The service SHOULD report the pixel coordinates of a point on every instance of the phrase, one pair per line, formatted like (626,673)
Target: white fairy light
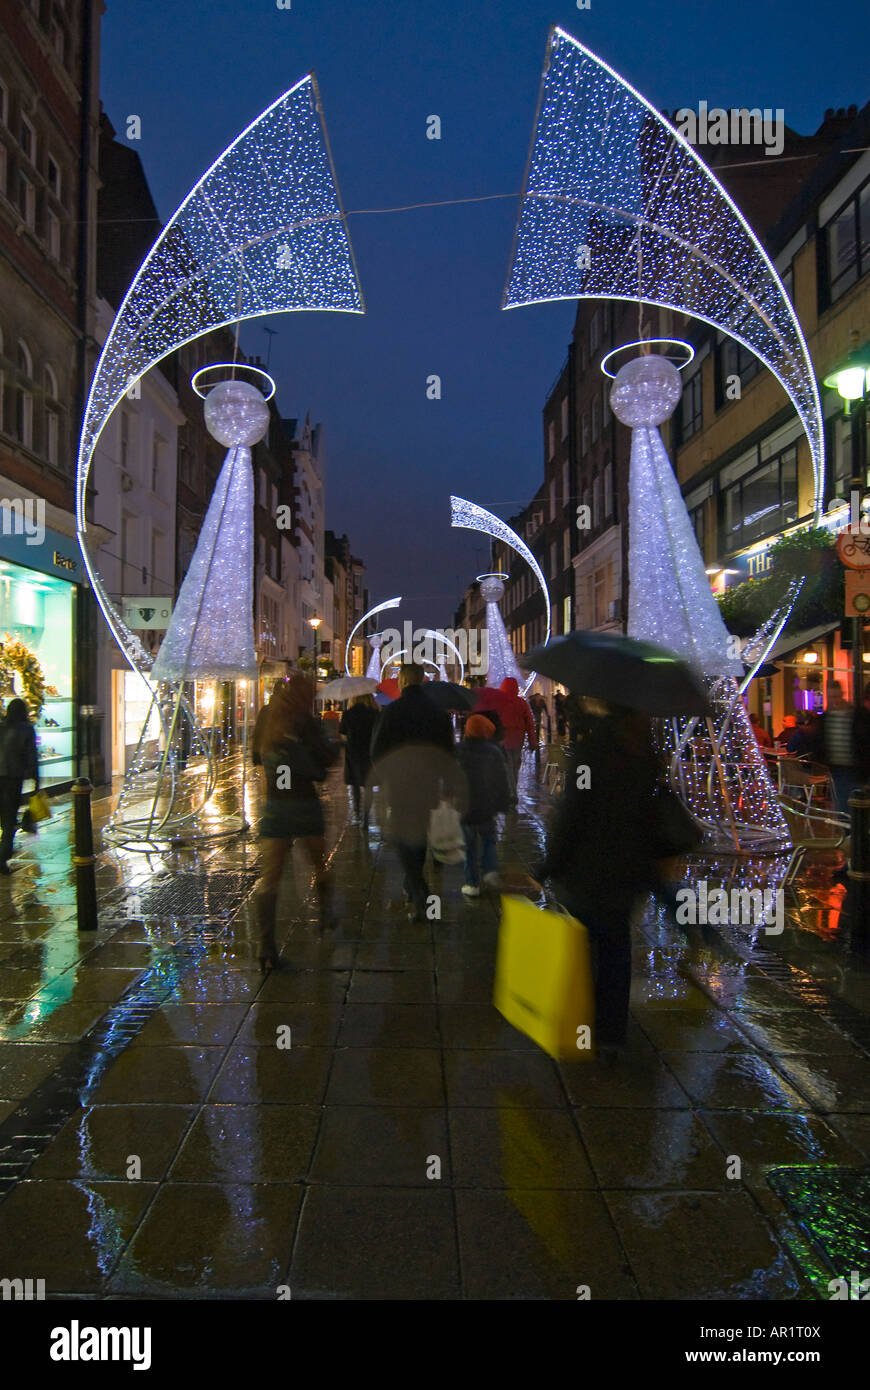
(262,232)
(469,515)
(618,205)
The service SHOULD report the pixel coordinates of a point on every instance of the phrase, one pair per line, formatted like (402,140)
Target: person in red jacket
(518,722)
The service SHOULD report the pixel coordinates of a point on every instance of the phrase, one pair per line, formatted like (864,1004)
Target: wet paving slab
(363,1124)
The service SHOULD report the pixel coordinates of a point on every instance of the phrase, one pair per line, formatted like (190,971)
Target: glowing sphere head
(646,391)
(491,589)
(236,413)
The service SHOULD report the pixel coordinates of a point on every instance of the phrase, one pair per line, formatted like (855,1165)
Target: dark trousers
(412,858)
(609,929)
(10,800)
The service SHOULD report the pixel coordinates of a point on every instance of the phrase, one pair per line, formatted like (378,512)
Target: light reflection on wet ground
(155,1138)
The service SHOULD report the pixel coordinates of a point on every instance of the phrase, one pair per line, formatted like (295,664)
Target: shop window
(53,236)
(762,501)
(52,437)
(24,397)
(733,360)
(608,489)
(53,177)
(58,39)
(689,416)
(37,611)
(27,139)
(27,201)
(844,247)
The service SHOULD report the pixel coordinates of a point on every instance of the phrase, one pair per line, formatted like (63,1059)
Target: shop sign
(143,613)
(754,563)
(50,552)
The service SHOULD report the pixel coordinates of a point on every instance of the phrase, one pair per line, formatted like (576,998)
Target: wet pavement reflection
(363,1124)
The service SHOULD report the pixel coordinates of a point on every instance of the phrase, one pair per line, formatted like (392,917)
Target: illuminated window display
(36,618)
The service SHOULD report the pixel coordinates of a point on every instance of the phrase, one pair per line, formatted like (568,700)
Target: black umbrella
(621,671)
(448,695)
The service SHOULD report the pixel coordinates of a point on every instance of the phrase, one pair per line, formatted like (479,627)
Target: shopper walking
(601,851)
(519,725)
(18,760)
(294,755)
(413,764)
(838,742)
(489,794)
(357,726)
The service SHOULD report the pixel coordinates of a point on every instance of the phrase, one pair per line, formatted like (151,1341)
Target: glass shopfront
(36,661)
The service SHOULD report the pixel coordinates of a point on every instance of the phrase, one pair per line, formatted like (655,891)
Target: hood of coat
(510,686)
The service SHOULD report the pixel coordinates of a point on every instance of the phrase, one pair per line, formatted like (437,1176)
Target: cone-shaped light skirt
(211,633)
(669,598)
(502,661)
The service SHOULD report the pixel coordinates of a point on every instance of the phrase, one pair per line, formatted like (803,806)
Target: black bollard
(859,869)
(83,857)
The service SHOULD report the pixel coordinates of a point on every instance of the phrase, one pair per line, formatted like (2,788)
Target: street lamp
(315,623)
(851,379)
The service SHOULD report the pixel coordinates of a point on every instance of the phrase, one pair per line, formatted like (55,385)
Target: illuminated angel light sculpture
(501,661)
(618,205)
(719,770)
(378,608)
(474,518)
(262,232)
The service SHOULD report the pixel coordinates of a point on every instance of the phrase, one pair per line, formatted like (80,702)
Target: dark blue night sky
(198,72)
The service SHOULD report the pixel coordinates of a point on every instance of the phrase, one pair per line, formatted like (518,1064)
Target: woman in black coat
(18,760)
(601,852)
(357,726)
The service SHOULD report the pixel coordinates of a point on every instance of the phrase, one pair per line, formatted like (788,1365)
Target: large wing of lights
(618,205)
(475,518)
(263,232)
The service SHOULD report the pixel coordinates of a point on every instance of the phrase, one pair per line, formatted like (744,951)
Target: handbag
(38,806)
(446,837)
(543,978)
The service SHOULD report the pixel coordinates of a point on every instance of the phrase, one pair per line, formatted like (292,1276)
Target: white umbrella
(346,687)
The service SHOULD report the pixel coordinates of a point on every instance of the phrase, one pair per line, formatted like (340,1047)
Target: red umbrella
(390,688)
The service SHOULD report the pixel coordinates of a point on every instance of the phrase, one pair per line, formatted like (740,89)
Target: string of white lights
(262,232)
(618,205)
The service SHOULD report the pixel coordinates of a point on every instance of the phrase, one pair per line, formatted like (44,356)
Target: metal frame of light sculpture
(406,651)
(262,232)
(272,190)
(474,518)
(648,343)
(440,637)
(378,608)
(603,160)
(234,368)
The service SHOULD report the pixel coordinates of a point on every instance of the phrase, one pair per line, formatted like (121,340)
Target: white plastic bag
(446,840)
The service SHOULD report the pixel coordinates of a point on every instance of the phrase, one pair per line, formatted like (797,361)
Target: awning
(791,642)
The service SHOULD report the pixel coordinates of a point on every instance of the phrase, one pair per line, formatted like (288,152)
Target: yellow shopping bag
(543,978)
(38,806)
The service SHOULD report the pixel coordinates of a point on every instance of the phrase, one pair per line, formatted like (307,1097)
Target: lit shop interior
(36,657)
